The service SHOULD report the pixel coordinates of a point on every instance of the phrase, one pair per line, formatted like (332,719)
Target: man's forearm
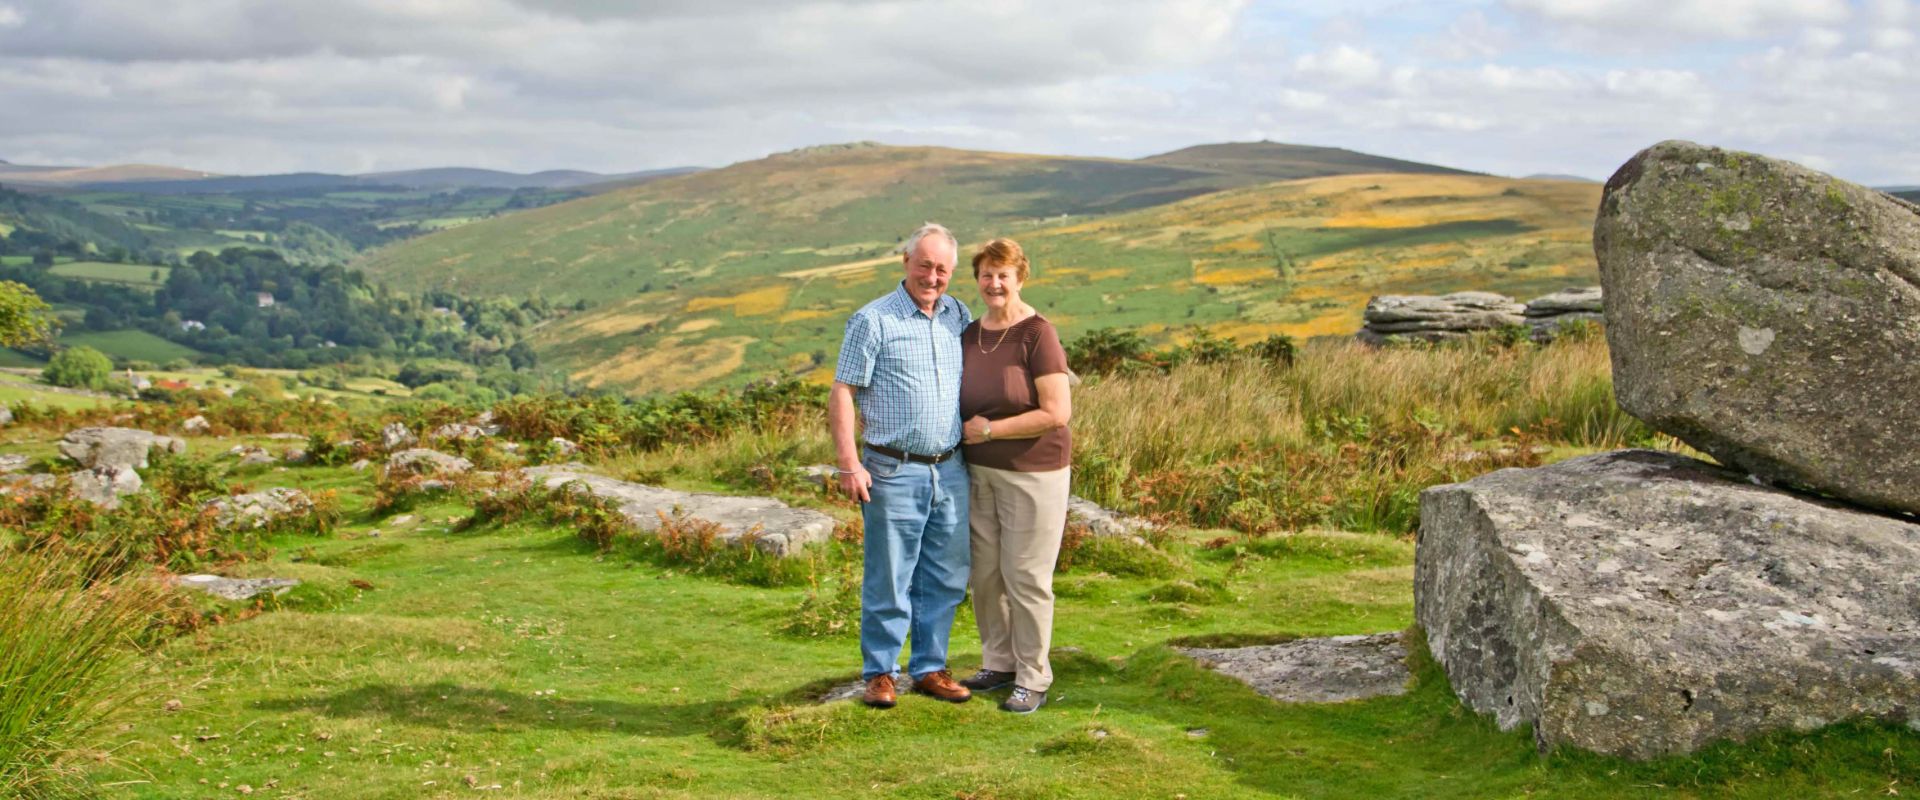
(841,420)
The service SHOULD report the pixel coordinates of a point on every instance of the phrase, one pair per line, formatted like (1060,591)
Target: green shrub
(79,367)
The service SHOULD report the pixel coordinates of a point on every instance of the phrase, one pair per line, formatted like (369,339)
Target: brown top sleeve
(1047,356)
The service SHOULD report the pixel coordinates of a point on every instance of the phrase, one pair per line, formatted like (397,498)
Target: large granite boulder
(1432,319)
(765,523)
(1641,604)
(396,436)
(115,447)
(1769,315)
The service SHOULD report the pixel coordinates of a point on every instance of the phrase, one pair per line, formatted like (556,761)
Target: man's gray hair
(931,229)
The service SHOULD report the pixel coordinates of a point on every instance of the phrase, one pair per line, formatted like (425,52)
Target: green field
(15,261)
(514,657)
(21,389)
(129,344)
(139,276)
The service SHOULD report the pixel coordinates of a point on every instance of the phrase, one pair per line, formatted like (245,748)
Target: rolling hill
(1299,258)
(813,208)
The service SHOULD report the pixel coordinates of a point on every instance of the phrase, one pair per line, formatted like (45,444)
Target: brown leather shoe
(941,686)
(879,692)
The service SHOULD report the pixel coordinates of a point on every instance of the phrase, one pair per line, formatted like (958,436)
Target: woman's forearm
(1030,425)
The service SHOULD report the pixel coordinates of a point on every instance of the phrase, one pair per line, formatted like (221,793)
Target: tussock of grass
(67,663)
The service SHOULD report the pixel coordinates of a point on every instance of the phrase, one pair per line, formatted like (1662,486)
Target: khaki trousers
(1017,519)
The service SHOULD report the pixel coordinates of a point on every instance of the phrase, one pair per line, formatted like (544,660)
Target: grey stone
(119,447)
(422,461)
(1587,299)
(1768,315)
(1104,522)
(1641,604)
(1330,670)
(104,485)
(251,456)
(34,482)
(6,415)
(458,432)
(1442,318)
(235,588)
(361,465)
(12,462)
(822,475)
(564,448)
(196,424)
(396,437)
(257,509)
(776,528)
(287,436)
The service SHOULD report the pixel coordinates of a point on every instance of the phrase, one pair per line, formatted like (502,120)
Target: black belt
(914,457)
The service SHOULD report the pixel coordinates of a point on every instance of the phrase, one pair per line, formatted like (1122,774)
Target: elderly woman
(1014,398)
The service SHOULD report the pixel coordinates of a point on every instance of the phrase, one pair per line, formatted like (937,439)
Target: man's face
(929,268)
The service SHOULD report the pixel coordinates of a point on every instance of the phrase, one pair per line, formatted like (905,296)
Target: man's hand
(855,482)
(975,431)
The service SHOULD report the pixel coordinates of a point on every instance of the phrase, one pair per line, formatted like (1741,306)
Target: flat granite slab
(769,524)
(1335,669)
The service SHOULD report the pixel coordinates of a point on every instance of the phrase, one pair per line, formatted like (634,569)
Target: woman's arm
(1055,411)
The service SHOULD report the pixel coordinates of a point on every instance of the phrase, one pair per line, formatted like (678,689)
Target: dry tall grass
(1347,436)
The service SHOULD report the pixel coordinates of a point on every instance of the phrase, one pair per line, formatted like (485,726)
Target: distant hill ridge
(152,179)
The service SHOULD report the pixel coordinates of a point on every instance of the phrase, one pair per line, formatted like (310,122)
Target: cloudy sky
(1504,86)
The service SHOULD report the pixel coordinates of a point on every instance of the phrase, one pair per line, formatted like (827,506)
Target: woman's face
(999,286)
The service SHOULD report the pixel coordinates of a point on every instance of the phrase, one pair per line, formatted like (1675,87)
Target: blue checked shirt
(905,368)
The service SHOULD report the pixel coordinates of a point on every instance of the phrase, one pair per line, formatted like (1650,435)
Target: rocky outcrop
(1769,315)
(1432,319)
(455,431)
(1102,521)
(104,485)
(256,510)
(1643,604)
(235,588)
(1546,314)
(1330,670)
(117,447)
(421,461)
(396,436)
(763,522)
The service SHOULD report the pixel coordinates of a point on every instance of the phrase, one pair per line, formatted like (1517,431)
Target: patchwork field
(1299,258)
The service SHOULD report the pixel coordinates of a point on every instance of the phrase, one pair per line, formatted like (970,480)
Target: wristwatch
(986,429)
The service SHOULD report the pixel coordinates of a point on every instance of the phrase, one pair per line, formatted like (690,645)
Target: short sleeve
(1048,357)
(857,351)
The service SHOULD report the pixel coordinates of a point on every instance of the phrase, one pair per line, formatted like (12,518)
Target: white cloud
(1709,19)
(1342,65)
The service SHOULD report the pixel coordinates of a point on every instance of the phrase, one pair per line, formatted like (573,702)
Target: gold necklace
(982,343)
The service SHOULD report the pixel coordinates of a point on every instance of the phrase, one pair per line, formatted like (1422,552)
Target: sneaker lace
(1020,695)
(984,674)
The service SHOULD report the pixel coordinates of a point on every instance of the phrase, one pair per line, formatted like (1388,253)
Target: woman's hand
(975,431)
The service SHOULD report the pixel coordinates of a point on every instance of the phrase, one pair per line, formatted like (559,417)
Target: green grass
(136,275)
(19,388)
(519,658)
(129,344)
(14,358)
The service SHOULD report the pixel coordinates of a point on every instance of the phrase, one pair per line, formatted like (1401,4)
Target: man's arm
(842,419)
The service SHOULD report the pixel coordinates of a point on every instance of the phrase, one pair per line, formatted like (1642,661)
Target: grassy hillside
(1274,161)
(1299,258)
(794,211)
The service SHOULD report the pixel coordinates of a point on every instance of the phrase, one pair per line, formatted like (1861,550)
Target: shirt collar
(904,305)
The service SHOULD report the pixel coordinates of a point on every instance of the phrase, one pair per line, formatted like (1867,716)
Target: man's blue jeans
(917,561)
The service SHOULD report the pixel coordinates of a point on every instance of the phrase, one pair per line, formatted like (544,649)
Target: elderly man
(899,373)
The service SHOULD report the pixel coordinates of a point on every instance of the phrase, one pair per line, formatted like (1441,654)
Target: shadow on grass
(453,706)
(1425,744)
